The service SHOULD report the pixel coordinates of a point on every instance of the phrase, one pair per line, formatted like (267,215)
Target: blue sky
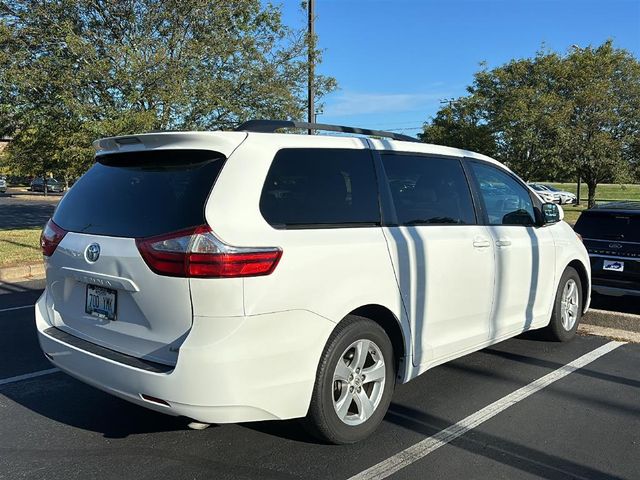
(396,60)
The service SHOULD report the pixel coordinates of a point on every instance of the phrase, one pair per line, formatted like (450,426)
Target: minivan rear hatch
(100,288)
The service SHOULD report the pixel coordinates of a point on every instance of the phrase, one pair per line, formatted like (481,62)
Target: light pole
(577,48)
(311,44)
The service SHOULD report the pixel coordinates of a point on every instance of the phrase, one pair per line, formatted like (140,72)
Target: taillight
(579,237)
(51,236)
(197,252)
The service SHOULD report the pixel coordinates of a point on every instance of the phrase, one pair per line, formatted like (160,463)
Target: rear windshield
(140,194)
(609,226)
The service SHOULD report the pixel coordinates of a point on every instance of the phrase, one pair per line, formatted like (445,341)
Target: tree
(72,71)
(555,116)
(602,88)
(524,109)
(460,125)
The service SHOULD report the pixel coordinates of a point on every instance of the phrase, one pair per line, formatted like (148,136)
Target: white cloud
(356,103)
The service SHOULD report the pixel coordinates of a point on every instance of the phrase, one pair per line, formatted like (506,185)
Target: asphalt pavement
(583,425)
(16,212)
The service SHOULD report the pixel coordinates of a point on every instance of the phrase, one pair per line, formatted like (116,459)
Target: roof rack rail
(270,126)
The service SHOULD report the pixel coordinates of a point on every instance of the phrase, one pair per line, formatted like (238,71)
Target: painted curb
(23,272)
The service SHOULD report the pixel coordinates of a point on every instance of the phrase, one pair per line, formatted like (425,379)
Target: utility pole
(311,46)
(578,192)
(578,49)
(448,101)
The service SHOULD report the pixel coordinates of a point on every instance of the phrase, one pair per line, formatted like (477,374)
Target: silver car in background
(545,194)
(565,197)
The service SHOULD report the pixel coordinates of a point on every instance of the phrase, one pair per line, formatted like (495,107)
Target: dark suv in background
(611,233)
(53,185)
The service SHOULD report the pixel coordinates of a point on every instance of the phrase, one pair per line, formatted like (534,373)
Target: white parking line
(15,308)
(27,376)
(425,447)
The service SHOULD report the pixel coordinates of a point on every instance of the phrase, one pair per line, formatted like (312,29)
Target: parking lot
(459,420)
(26,211)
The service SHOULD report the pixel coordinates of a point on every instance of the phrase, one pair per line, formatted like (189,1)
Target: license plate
(613,265)
(101,302)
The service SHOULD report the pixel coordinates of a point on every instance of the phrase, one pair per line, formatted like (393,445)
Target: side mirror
(551,213)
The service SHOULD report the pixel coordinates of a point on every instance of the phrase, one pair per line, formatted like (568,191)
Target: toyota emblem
(92,253)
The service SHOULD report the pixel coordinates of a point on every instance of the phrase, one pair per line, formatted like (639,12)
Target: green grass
(605,191)
(20,246)
(572,212)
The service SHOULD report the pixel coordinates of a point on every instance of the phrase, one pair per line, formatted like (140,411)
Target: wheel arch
(392,326)
(579,267)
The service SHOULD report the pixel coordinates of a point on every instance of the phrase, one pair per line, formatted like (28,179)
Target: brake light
(51,236)
(579,236)
(197,252)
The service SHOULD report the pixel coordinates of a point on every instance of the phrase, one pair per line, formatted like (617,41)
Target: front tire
(567,308)
(354,382)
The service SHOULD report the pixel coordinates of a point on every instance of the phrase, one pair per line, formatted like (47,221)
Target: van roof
(226,142)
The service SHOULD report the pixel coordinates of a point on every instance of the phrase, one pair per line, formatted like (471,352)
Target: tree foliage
(72,71)
(555,116)
(522,105)
(603,130)
(460,125)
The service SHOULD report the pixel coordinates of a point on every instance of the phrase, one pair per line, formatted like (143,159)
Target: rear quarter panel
(327,271)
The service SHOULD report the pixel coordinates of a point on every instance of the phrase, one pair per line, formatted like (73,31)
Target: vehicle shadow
(14,215)
(63,399)
(518,456)
(21,287)
(287,429)
(625,304)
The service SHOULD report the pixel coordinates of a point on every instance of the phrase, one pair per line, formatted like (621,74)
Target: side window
(507,202)
(314,187)
(428,190)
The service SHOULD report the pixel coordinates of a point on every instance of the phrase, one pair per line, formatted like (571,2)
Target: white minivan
(253,275)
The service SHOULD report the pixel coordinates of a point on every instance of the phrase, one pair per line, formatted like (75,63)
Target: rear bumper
(229,369)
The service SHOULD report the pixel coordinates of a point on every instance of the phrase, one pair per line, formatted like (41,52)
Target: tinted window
(507,202)
(609,226)
(140,194)
(428,190)
(316,187)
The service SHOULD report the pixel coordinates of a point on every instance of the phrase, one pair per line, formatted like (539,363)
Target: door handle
(503,242)
(481,242)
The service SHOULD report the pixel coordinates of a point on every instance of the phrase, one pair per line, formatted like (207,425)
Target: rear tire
(567,308)
(354,382)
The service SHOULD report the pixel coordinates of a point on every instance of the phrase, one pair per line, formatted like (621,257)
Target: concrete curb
(23,272)
(616,320)
(613,333)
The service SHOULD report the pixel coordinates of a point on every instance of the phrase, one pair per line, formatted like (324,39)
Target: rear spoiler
(222,142)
